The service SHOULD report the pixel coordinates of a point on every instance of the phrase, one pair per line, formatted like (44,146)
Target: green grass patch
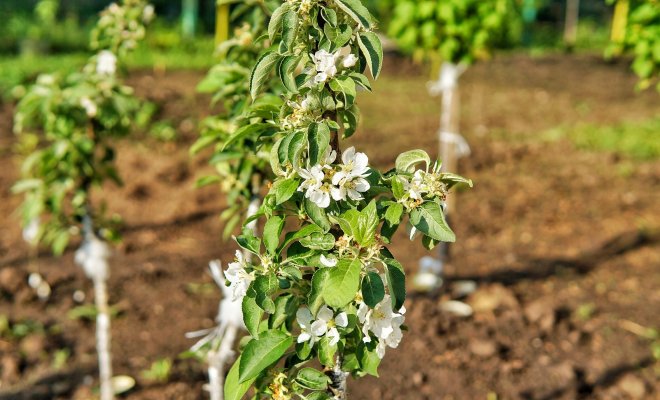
(639,140)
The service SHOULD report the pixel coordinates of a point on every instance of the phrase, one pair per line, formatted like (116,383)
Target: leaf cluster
(460,31)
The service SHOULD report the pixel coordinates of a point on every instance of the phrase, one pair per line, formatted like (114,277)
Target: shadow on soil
(50,386)
(540,269)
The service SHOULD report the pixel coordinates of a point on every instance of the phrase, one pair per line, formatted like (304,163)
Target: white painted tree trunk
(93,257)
(229,332)
(103,339)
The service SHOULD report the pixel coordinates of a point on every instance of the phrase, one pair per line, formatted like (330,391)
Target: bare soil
(563,245)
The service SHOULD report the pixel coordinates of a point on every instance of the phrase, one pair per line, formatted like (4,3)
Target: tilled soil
(563,245)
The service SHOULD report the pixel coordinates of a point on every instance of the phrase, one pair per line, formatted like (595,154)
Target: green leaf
(303,350)
(289,30)
(272,231)
(318,137)
(252,315)
(372,49)
(361,80)
(286,71)
(396,282)
(369,360)
(367,223)
(319,283)
(452,180)
(318,241)
(234,390)
(343,283)
(284,189)
(430,220)
(393,214)
(327,352)
(407,161)
(318,215)
(357,11)
(345,85)
(275,23)
(299,234)
(265,286)
(285,307)
(261,71)
(246,131)
(373,290)
(312,379)
(261,353)
(248,241)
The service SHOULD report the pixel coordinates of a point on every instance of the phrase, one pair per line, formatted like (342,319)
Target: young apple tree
(241,162)
(71,123)
(458,33)
(320,282)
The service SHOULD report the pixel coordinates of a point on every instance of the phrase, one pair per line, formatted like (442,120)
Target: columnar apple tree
(457,33)
(71,122)
(320,282)
(240,161)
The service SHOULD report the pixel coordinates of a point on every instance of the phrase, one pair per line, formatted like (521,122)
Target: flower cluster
(345,181)
(238,277)
(326,324)
(422,184)
(326,64)
(383,322)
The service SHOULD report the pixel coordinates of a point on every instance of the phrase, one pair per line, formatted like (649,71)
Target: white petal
(338,193)
(333,336)
(325,314)
(380,350)
(363,310)
(348,155)
(338,177)
(342,320)
(324,200)
(354,195)
(319,328)
(303,337)
(304,317)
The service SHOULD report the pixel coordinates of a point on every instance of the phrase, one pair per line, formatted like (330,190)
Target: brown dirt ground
(564,247)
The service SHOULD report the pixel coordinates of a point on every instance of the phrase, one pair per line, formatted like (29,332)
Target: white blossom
(349,61)
(326,65)
(314,186)
(238,277)
(90,107)
(325,325)
(383,323)
(304,318)
(350,180)
(106,63)
(230,310)
(417,186)
(148,13)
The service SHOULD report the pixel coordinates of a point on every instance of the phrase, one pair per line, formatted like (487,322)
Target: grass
(638,140)
(16,70)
